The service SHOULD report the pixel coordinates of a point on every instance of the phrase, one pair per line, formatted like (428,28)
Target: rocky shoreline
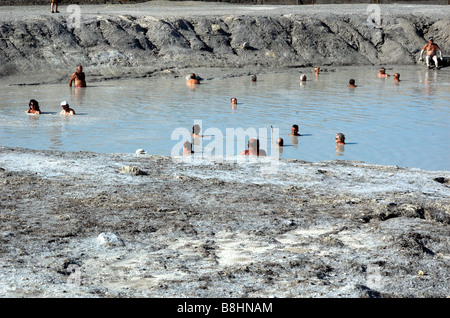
(154,38)
(82,224)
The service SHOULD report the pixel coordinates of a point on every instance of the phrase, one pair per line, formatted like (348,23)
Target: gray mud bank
(124,225)
(152,38)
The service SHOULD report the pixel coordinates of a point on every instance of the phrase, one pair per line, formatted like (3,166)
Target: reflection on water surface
(404,124)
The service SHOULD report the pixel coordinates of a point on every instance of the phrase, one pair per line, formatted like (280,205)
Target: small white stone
(140,151)
(110,239)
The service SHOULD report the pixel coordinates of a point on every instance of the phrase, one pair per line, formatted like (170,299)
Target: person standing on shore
(55,6)
(78,77)
(432,49)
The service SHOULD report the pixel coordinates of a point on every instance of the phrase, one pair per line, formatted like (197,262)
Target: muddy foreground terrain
(125,225)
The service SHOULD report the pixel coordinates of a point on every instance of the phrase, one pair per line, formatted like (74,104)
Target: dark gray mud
(159,37)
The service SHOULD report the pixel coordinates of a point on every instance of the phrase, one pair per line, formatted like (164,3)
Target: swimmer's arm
(72,78)
(421,54)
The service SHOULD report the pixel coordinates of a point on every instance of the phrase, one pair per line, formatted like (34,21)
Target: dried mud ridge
(120,45)
(142,225)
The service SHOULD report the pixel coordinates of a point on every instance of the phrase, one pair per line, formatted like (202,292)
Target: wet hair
(303,77)
(397,75)
(341,137)
(351,81)
(280,141)
(195,129)
(295,126)
(231,99)
(253,143)
(35,102)
(253,78)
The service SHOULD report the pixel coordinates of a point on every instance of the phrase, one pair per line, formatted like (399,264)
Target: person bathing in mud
(196,131)
(55,6)
(432,49)
(294,131)
(340,139)
(187,148)
(78,77)
(352,83)
(193,79)
(397,77)
(253,149)
(382,73)
(33,107)
(66,110)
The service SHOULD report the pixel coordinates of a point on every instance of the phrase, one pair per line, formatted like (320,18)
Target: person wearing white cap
(432,49)
(66,110)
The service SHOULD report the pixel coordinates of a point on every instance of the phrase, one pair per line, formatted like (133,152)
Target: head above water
(253,143)
(196,129)
(33,103)
(280,141)
(303,77)
(340,137)
(64,104)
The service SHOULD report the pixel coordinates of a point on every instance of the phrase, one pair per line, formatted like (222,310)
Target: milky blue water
(406,124)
